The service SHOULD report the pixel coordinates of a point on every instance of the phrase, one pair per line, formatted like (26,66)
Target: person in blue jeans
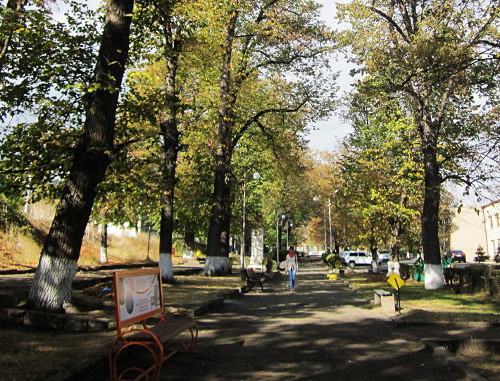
(291,267)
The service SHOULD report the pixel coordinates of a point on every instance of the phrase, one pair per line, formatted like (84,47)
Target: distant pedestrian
(446,262)
(419,274)
(291,267)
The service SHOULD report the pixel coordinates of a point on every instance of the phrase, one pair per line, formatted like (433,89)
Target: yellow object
(395,281)
(333,276)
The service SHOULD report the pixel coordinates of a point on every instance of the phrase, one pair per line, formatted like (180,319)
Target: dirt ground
(322,331)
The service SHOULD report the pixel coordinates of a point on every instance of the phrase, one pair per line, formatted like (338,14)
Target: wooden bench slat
(167,330)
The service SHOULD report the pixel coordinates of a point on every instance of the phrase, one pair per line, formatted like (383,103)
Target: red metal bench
(139,297)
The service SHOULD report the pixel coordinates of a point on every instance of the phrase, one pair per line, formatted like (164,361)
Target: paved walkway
(320,332)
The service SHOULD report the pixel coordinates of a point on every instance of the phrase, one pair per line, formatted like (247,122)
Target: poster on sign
(138,295)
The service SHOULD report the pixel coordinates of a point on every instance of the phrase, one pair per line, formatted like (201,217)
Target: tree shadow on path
(323,331)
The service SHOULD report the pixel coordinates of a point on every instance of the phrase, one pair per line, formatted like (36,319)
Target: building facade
(468,231)
(491,218)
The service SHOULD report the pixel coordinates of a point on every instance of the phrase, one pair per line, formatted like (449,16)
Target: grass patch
(133,248)
(431,305)
(18,244)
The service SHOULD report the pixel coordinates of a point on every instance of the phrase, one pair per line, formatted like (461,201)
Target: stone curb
(66,322)
(438,350)
(403,322)
(448,358)
(84,323)
(75,323)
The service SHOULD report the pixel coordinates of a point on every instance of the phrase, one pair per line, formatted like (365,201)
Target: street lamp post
(277,241)
(324,228)
(287,234)
(289,224)
(278,237)
(255,176)
(330,222)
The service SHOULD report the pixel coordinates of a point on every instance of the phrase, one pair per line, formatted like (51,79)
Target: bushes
(475,278)
(332,260)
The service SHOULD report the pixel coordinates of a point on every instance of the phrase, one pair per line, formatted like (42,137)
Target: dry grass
(22,236)
(19,250)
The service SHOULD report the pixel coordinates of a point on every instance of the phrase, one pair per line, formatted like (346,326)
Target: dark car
(457,256)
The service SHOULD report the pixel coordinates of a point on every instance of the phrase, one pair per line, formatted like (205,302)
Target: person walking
(291,267)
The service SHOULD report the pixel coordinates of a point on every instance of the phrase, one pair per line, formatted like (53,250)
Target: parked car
(458,256)
(383,257)
(355,258)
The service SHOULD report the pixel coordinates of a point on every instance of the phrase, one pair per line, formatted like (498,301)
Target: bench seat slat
(382,292)
(165,331)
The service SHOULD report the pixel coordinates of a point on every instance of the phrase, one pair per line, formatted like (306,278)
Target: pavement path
(320,332)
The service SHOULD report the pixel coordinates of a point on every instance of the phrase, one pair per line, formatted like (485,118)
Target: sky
(326,133)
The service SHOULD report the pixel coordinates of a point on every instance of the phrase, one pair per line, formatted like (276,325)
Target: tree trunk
(430,214)
(217,259)
(165,246)
(10,22)
(103,253)
(217,256)
(189,245)
(51,286)
(373,250)
(170,135)
(397,229)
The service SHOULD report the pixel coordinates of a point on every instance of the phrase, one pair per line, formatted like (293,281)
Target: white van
(355,258)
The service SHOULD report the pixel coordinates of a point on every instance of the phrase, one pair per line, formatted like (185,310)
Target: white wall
(469,233)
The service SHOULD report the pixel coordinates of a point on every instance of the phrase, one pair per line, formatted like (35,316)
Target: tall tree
(51,286)
(382,167)
(436,58)
(259,38)
(162,17)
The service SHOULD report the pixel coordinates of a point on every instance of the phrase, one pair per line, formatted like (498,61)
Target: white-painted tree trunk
(375,267)
(434,279)
(103,252)
(52,271)
(166,267)
(216,266)
(393,268)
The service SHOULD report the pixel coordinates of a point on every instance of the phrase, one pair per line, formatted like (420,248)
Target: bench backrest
(138,296)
